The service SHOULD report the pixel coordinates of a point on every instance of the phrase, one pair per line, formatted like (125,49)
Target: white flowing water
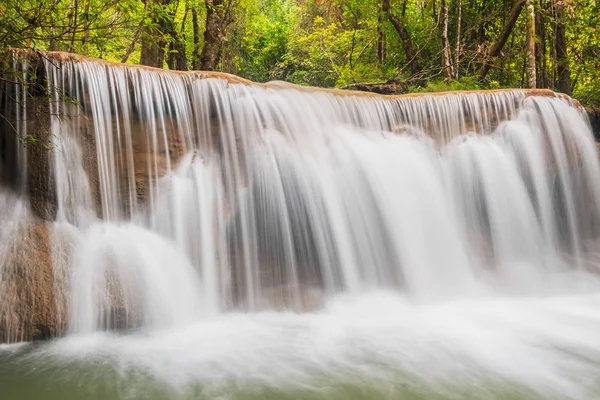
(270,241)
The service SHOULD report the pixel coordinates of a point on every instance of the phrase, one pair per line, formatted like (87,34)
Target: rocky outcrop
(25,135)
(149,165)
(33,304)
(594,118)
(393,87)
(40,178)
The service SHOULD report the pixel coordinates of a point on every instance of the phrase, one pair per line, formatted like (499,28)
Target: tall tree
(540,45)
(530,38)
(563,70)
(497,47)
(407,43)
(177,58)
(138,33)
(154,33)
(219,15)
(457,48)
(329,42)
(196,39)
(446,53)
(380,37)
(86,27)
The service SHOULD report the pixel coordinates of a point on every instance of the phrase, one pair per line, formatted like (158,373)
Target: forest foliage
(418,45)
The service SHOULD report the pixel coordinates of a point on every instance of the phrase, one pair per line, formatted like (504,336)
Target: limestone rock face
(40,178)
(150,161)
(33,301)
(594,117)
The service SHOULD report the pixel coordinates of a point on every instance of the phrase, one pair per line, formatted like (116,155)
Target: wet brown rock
(594,118)
(291,298)
(11,176)
(393,87)
(28,106)
(32,305)
(86,137)
(151,160)
(297,299)
(41,182)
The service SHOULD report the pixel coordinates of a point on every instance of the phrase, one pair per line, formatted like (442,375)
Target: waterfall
(231,231)
(187,195)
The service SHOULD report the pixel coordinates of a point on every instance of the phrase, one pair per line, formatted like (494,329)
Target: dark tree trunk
(503,38)
(153,52)
(196,51)
(86,28)
(131,47)
(531,72)
(457,48)
(153,43)
(446,53)
(74,26)
(380,38)
(136,37)
(177,58)
(53,46)
(218,18)
(407,44)
(540,47)
(562,57)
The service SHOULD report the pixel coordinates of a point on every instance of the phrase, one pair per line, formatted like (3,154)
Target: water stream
(234,240)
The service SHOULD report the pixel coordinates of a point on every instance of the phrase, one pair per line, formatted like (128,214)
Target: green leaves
(319,42)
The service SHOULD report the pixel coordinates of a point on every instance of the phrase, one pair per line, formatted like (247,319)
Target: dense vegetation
(414,45)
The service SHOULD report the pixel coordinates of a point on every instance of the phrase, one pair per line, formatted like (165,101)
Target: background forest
(383,45)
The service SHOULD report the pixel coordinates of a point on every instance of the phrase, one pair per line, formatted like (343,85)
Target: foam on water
(531,346)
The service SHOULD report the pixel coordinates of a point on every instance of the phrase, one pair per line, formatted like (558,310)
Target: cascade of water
(14,212)
(214,193)
(449,242)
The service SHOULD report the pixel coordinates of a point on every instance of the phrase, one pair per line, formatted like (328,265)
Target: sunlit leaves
(316,42)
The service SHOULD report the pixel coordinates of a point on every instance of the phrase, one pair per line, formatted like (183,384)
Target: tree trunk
(562,57)
(531,73)
(457,48)
(53,46)
(446,53)
(218,18)
(131,47)
(136,37)
(86,28)
(409,51)
(177,59)
(196,51)
(540,47)
(74,24)
(380,38)
(504,35)
(153,43)
(153,52)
